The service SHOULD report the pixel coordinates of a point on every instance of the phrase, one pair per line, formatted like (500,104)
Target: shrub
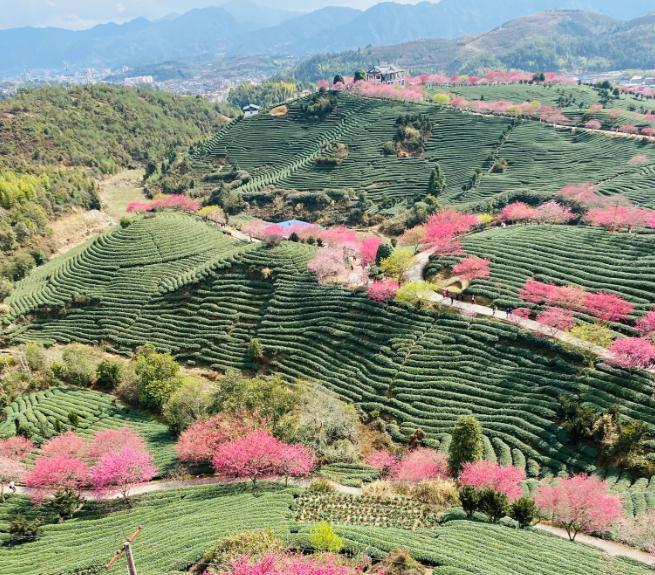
(157,375)
(400,562)
(80,365)
(380,488)
(523,511)
(23,530)
(188,403)
(470,500)
(440,493)
(323,538)
(321,486)
(495,505)
(109,373)
(64,504)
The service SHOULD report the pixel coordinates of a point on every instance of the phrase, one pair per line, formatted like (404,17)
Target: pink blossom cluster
(490,78)
(617,217)
(644,91)
(259,454)
(415,465)
(288,564)
(369,89)
(383,290)
(550,212)
(583,193)
(113,460)
(504,479)
(170,202)
(604,306)
(536,110)
(199,442)
(472,268)
(633,353)
(13,453)
(442,231)
(557,318)
(581,503)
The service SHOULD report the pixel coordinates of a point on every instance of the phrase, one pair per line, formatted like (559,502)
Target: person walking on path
(493,310)
(473,299)
(509,311)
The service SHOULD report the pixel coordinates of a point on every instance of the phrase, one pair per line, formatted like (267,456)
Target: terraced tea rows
(46,413)
(592,258)
(420,369)
(281,152)
(178,526)
(470,548)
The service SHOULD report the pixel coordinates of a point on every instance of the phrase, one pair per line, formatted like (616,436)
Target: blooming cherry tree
(633,353)
(384,290)
(420,464)
(646,324)
(369,250)
(120,470)
(383,461)
(581,503)
(472,268)
(59,473)
(16,448)
(328,265)
(607,307)
(557,319)
(504,479)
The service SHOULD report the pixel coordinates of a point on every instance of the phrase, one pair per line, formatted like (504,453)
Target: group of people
(446,295)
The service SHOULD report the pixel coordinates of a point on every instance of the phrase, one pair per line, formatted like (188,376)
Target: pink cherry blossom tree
(581,503)
(413,238)
(553,212)
(199,442)
(607,307)
(534,291)
(342,238)
(633,353)
(328,265)
(114,440)
(384,290)
(383,461)
(289,564)
(120,470)
(557,319)
(257,455)
(168,202)
(16,448)
(442,230)
(295,460)
(504,479)
(517,212)
(59,473)
(472,268)
(593,125)
(585,193)
(68,445)
(420,464)
(646,324)
(369,250)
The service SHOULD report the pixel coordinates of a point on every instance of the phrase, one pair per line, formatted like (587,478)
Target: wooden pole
(131,567)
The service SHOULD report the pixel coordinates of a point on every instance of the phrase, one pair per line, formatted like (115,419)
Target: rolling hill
(417,369)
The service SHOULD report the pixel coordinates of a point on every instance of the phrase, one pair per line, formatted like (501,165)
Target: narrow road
(611,548)
(415,273)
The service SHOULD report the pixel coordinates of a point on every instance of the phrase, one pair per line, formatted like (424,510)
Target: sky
(77,14)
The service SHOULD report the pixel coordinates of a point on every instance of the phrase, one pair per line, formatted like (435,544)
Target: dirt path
(611,548)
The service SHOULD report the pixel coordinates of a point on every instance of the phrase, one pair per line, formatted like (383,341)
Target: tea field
(592,258)
(43,414)
(281,151)
(417,368)
(179,525)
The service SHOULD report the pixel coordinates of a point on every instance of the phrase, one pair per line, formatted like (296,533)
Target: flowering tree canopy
(58,473)
(16,448)
(67,445)
(633,353)
(288,564)
(122,469)
(383,290)
(328,265)
(472,268)
(556,318)
(170,202)
(581,503)
(646,324)
(504,479)
(607,307)
(517,212)
(593,125)
(420,464)
(369,249)
(112,440)
(199,442)
(383,461)
(442,230)
(259,454)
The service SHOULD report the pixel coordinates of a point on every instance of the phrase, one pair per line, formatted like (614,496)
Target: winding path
(611,548)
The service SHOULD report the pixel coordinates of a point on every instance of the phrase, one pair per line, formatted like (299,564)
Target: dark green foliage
(469,497)
(265,95)
(157,376)
(437,182)
(523,511)
(64,504)
(493,504)
(24,530)
(360,75)
(384,251)
(109,373)
(319,105)
(466,444)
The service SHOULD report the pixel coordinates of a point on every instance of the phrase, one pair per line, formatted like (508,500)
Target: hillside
(417,369)
(559,40)
(55,142)
(280,155)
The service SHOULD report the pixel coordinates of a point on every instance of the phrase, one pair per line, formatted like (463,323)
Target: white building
(386,74)
(250,110)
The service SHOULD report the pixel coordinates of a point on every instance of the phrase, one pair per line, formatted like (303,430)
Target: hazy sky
(85,13)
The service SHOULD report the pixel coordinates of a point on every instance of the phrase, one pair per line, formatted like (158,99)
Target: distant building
(138,81)
(387,74)
(250,110)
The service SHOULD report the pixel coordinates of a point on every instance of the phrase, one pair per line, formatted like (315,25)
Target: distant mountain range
(243,27)
(557,40)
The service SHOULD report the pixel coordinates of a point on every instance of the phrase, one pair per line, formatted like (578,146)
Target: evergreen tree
(437,182)
(466,444)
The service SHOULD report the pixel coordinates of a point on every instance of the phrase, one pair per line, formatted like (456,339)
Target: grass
(119,190)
